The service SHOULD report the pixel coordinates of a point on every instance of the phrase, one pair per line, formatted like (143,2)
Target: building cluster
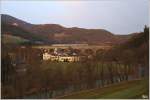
(57,55)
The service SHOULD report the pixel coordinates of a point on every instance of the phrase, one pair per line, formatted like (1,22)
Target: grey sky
(116,16)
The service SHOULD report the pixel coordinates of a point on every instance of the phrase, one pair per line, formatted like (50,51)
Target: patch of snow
(15,24)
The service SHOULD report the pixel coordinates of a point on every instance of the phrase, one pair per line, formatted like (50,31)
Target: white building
(47,56)
(69,58)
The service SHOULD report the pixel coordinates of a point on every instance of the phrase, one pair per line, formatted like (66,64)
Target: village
(69,52)
(56,52)
(60,56)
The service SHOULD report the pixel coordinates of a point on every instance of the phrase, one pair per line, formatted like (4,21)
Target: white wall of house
(47,56)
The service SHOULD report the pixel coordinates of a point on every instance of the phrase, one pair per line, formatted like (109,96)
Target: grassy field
(125,90)
(12,39)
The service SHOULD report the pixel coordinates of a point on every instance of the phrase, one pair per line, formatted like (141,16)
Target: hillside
(10,39)
(124,90)
(54,33)
(22,33)
(135,50)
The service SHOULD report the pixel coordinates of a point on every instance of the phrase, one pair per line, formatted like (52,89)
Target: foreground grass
(125,90)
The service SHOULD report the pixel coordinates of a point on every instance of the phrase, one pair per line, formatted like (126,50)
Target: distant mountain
(53,33)
(22,33)
(7,19)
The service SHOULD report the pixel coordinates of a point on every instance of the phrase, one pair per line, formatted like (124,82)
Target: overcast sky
(116,16)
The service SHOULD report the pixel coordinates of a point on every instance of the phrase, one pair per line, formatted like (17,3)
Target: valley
(52,61)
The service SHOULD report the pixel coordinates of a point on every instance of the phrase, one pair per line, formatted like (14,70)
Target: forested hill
(55,33)
(134,51)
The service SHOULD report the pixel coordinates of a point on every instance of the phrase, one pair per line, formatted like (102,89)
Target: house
(46,56)
(69,58)
(61,58)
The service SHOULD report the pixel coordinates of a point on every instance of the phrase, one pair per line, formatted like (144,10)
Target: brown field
(74,46)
